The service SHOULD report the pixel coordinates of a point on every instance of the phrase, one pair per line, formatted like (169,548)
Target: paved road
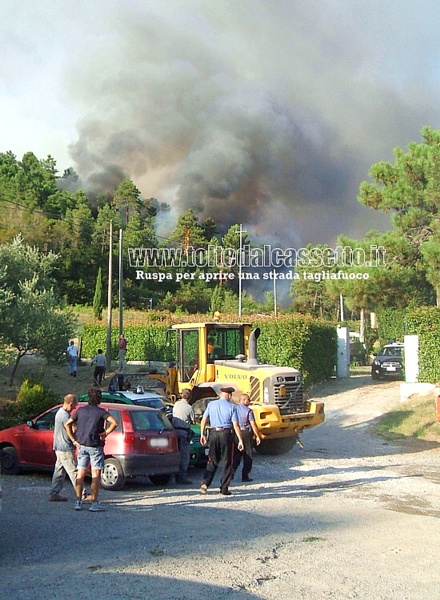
(349,516)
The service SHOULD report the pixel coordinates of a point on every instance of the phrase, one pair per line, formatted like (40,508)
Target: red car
(144,443)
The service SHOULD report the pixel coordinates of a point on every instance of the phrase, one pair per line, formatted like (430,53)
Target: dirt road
(348,516)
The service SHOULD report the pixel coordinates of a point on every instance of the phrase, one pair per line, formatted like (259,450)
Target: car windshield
(143,420)
(395,351)
(151,402)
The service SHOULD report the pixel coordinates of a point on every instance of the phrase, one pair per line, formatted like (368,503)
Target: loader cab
(200,344)
(224,343)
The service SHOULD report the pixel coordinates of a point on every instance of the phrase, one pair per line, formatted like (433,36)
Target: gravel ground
(348,516)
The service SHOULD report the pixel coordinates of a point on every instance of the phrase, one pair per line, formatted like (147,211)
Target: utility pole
(121,284)
(275,310)
(239,271)
(108,352)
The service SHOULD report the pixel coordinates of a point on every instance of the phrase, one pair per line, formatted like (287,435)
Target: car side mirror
(30,424)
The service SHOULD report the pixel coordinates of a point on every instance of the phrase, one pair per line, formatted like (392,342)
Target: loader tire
(276,446)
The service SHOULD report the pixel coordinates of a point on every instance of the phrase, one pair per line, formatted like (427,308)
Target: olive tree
(32,318)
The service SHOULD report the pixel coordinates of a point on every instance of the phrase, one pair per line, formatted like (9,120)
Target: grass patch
(416,419)
(313,538)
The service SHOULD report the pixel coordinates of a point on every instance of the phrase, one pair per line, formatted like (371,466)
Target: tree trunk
(14,369)
(362,327)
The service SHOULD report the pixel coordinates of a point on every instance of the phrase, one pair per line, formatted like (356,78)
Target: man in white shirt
(183,416)
(72,357)
(100,363)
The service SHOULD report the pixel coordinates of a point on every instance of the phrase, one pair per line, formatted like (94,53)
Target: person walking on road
(100,363)
(72,357)
(64,451)
(183,417)
(248,428)
(93,425)
(222,417)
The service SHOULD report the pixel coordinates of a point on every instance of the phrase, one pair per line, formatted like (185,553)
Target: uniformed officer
(248,429)
(222,417)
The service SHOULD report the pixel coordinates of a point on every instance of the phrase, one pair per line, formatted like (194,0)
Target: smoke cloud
(262,113)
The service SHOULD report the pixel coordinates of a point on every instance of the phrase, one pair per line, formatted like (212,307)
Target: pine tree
(217,299)
(97,298)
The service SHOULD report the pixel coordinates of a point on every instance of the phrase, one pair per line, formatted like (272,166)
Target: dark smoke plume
(262,113)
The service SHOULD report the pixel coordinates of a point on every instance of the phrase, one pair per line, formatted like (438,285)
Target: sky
(267,113)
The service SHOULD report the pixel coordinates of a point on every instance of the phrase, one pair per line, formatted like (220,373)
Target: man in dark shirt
(93,425)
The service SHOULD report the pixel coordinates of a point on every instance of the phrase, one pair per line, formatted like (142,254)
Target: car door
(36,442)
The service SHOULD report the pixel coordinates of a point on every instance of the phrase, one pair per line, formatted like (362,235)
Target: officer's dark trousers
(246,454)
(220,450)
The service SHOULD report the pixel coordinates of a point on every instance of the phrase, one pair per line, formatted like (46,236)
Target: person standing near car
(249,430)
(64,451)
(100,363)
(222,417)
(93,425)
(183,417)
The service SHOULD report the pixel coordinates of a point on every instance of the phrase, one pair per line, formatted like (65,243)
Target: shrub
(33,398)
(9,414)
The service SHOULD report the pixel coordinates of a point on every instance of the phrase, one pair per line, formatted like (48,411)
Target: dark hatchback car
(388,362)
(144,443)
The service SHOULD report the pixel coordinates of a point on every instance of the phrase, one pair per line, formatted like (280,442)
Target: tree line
(35,203)
(51,213)
(408,191)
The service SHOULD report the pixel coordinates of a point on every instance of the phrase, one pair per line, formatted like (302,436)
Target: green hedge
(300,342)
(392,325)
(424,322)
(144,342)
